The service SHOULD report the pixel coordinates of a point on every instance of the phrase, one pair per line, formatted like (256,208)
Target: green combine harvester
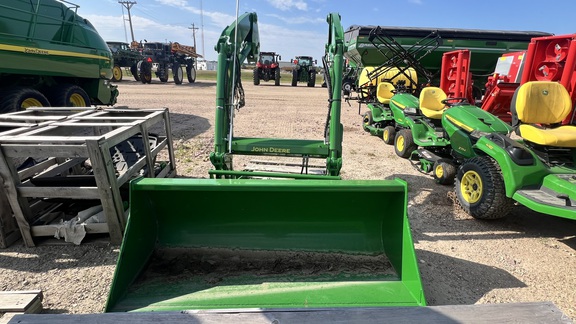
(50,56)
(273,243)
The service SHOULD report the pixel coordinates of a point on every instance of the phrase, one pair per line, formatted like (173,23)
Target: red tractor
(267,68)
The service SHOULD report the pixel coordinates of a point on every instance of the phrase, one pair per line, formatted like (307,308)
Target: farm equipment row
(457,135)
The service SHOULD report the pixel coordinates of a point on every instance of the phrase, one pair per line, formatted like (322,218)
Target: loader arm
(239,42)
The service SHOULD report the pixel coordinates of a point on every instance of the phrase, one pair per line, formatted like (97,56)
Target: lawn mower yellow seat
(431,102)
(384,92)
(536,107)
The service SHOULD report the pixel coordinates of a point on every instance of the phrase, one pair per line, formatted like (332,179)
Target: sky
(298,27)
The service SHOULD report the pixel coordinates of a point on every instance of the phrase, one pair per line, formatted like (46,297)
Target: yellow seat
(431,102)
(538,107)
(384,92)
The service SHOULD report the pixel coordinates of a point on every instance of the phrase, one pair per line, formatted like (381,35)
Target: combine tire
(404,143)
(191,73)
(16,99)
(388,135)
(294,77)
(312,79)
(116,73)
(367,120)
(277,76)
(134,70)
(145,72)
(68,95)
(178,73)
(444,172)
(256,76)
(480,189)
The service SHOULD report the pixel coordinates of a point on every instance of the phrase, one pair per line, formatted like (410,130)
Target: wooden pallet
(19,302)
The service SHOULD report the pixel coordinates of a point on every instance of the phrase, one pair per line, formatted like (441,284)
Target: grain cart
(180,253)
(303,70)
(50,56)
(267,68)
(124,56)
(486,46)
(166,56)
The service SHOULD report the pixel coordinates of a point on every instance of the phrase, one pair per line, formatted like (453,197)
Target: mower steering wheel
(454,101)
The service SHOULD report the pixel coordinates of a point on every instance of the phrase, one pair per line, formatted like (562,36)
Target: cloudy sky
(298,27)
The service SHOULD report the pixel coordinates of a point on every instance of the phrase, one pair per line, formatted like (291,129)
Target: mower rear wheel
(116,73)
(178,73)
(404,143)
(444,171)
(388,135)
(367,120)
(480,189)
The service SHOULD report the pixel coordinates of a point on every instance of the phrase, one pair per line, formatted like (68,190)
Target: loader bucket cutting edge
(213,243)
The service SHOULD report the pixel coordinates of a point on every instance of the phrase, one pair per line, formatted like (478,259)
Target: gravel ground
(525,257)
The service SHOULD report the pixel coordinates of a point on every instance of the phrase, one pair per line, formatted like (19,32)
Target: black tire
(312,79)
(16,99)
(404,143)
(256,76)
(191,73)
(367,120)
(116,73)
(277,76)
(134,70)
(480,189)
(145,72)
(389,135)
(347,87)
(178,73)
(294,77)
(444,171)
(68,95)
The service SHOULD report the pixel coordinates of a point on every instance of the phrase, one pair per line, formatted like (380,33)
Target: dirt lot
(525,257)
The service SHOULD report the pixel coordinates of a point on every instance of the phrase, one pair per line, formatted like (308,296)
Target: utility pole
(128,5)
(194,35)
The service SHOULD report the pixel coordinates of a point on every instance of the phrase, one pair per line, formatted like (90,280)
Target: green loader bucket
(254,243)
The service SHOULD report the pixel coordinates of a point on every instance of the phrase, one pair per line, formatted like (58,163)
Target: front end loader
(230,98)
(269,243)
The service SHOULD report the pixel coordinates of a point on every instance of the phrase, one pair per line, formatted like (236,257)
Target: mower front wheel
(404,143)
(388,135)
(367,120)
(480,189)
(444,171)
